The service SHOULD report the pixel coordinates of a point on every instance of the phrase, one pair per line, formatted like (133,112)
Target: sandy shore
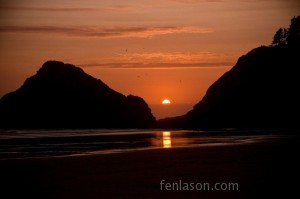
(261,170)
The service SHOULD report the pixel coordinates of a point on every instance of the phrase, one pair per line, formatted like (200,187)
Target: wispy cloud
(140,65)
(142,32)
(112,8)
(167,60)
(46,9)
(195,1)
(175,57)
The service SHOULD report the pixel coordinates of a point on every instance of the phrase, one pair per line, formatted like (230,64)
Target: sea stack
(63,96)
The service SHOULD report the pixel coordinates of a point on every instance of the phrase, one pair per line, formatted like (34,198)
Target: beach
(261,170)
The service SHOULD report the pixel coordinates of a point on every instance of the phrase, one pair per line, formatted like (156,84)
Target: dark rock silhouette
(260,91)
(64,96)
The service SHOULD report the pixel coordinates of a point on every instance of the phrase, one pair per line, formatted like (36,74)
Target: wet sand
(262,170)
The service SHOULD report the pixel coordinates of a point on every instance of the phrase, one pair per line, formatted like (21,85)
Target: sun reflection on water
(167,139)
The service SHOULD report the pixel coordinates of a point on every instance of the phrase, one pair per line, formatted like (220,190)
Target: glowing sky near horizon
(155,49)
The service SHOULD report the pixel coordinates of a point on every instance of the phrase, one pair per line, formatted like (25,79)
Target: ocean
(22,144)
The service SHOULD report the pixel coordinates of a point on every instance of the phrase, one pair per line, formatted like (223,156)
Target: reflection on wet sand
(168,139)
(167,143)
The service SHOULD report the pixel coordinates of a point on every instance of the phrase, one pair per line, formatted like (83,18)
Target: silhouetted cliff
(260,91)
(64,96)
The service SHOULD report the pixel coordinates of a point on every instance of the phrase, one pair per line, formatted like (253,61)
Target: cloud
(140,65)
(46,9)
(112,8)
(167,60)
(195,1)
(118,8)
(175,57)
(99,32)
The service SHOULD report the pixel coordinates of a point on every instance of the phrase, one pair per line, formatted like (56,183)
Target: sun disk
(166,101)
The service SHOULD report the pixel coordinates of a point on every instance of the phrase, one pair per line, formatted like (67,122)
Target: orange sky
(151,48)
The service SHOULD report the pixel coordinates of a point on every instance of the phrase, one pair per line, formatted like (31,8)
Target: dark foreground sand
(263,170)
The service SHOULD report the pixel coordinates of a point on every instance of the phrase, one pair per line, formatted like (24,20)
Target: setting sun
(166,102)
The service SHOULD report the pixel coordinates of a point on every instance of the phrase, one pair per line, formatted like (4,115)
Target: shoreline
(133,150)
(126,151)
(259,168)
(34,145)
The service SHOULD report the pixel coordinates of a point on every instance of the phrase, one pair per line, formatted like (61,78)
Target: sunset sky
(155,49)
